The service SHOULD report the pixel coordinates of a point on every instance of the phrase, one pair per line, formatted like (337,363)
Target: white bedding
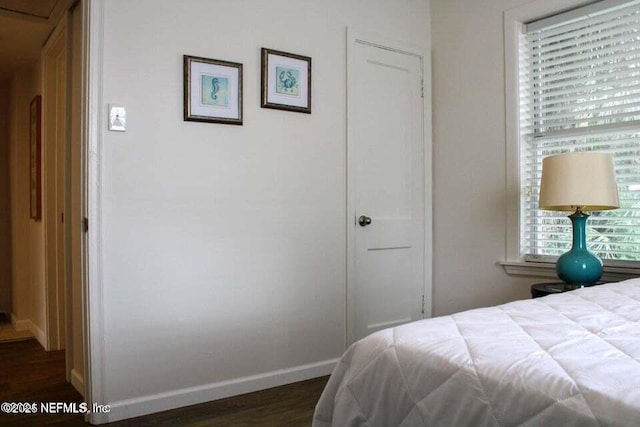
(571,359)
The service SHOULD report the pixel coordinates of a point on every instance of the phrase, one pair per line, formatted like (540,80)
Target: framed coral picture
(212,90)
(35,158)
(286,81)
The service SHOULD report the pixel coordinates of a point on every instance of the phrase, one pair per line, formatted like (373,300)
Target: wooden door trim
(374,40)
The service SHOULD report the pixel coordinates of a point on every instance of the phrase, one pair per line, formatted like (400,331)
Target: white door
(386,173)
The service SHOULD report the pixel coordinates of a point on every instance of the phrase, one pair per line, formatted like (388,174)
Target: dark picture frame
(212,90)
(35,158)
(286,81)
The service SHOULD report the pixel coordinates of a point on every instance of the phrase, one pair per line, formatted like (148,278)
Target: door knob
(364,221)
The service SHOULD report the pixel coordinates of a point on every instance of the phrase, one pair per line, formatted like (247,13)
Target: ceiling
(38,8)
(25,25)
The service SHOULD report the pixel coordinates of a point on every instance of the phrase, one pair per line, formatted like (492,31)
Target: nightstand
(544,289)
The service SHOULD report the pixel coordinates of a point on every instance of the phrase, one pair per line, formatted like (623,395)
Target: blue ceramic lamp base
(579,266)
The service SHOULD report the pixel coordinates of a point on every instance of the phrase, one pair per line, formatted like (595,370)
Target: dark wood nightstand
(549,288)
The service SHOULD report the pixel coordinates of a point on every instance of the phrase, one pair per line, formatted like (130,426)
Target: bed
(571,359)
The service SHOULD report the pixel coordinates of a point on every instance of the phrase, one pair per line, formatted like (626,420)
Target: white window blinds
(580,91)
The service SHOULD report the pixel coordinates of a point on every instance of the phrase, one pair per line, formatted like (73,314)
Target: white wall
(5,211)
(19,185)
(224,246)
(469,156)
(28,286)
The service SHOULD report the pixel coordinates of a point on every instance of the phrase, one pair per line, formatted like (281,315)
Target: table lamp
(578,182)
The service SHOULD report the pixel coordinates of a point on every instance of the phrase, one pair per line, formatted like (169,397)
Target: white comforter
(571,359)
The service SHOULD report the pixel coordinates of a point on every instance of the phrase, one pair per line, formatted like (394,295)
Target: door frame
(57,311)
(63,35)
(375,40)
(92,122)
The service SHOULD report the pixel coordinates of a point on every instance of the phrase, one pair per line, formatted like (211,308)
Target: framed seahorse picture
(212,90)
(286,81)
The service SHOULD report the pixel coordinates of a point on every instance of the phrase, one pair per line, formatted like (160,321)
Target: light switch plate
(117,118)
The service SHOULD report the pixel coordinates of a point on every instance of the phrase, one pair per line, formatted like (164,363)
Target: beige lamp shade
(585,180)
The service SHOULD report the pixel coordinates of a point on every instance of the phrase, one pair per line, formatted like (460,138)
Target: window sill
(548,269)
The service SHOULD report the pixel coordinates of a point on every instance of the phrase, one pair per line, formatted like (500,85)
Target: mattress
(570,359)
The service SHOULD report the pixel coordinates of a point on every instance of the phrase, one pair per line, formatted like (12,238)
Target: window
(579,90)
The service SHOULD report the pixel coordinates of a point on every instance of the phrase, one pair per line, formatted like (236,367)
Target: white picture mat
(200,109)
(274,61)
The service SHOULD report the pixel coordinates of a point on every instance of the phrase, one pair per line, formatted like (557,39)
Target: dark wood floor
(290,405)
(30,374)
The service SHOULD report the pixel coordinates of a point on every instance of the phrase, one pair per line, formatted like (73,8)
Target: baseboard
(20,325)
(77,381)
(193,395)
(28,325)
(39,334)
